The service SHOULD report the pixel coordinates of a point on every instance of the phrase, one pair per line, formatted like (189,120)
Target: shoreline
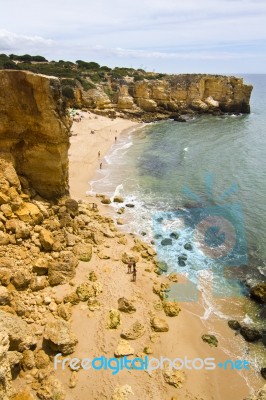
(209,385)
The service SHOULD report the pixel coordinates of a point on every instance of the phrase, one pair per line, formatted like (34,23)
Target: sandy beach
(83,153)
(94,339)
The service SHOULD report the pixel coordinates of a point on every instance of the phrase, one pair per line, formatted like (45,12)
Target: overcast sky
(214,36)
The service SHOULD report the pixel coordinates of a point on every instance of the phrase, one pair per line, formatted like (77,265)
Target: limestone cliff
(171,96)
(34,130)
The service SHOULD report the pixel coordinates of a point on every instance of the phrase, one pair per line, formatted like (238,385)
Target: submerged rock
(258,292)
(235,325)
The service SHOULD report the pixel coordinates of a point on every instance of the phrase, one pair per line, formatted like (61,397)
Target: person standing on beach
(101,164)
(130,265)
(115,138)
(99,154)
(134,273)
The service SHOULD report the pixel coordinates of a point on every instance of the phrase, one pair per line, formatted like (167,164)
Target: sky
(172,36)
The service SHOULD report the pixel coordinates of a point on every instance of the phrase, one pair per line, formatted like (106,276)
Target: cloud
(10,41)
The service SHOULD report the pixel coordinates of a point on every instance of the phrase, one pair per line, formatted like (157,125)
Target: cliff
(34,130)
(171,96)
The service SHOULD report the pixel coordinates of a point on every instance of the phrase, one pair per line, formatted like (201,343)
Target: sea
(198,194)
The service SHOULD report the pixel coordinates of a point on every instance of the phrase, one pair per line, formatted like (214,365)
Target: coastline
(184,336)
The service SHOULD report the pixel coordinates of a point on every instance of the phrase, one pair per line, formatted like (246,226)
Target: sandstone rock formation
(34,130)
(171,96)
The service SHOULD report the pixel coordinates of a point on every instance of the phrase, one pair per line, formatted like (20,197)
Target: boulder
(122,393)
(135,331)
(62,269)
(174,377)
(51,389)
(171,308)
(21,279)
(20,334)
(210,339)
(4,296)
(126,305)
(166,242)
(38,283)
(83,252)
(4,238)
(59,336)
(46,240)
(258,292)
(113,320)
(159,325)
(123,349)
(250,334)
(235,325)
(118,199)
(85,291)
(42,360)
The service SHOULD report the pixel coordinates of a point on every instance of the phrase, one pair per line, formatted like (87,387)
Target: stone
(5,371)
(73,380)
(64,311)
(85,291)
(210,339)
(21,279)
(30,214)
(41,266)
(126,258)
(63,269)
(4,296)
(121,221)
(235,325)
(174,377)
(72,206)
(106,200)
(51,389)
(122,393)
(263,372)
(83,252)
(166,242)
(188,246)
(59,337)
(113,320)
(20,334)
(171,308)
(159,325)
(4,238)
(72,298)
(174,235)
(24,395)
(38,283)
(28,360)
(46,240)
(258,293)
(19,228)
(123,349)
(126,305)
(6,210)
(250,334)
(118,199)
(135,331)
(42,360)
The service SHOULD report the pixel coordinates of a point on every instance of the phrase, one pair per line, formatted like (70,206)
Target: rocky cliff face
(172,95)
(34,130)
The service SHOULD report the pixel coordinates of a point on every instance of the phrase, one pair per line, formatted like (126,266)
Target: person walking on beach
(101,164)
(99,154)
(130,265)
(115,138)
(134,273)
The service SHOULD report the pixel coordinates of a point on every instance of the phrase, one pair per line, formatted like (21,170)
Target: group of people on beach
(132,268)
(99,154)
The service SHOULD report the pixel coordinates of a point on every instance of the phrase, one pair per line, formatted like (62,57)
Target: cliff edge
(34,130)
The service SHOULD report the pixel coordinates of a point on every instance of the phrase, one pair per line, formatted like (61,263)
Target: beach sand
(185,330)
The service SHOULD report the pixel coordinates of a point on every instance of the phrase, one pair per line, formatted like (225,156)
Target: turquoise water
(178,175)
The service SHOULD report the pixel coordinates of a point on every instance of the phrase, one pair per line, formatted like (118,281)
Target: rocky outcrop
(171,96)
(34,130)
